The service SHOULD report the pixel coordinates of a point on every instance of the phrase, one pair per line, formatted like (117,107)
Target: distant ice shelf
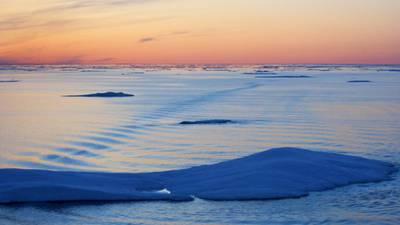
(273,174)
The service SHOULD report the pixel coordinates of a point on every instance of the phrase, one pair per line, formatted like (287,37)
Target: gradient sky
(199,31)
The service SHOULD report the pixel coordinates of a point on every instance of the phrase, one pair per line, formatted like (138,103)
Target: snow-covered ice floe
(273,174)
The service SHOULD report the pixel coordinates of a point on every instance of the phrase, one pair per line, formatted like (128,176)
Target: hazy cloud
(103,60)
(81,4)
(180,32)
(20,23)
(65,16)
(147,39)
(31,19)
(174,33)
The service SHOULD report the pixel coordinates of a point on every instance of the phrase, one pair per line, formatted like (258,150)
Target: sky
(199,31)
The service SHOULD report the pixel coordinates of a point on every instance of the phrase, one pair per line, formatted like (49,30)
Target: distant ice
(217,68)
(358,81)
(274,174)
(103,95)
(389,70)
(134,72)
(260,72)
(285,76)
(214,121)
(9,81)
(92,71)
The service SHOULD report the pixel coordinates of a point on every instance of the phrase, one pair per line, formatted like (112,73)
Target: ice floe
(285,76)
(358,81)
(103,95)
(205,122)
(9,81)
(273,174)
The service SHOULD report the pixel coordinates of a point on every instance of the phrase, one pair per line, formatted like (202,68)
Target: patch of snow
(164,191)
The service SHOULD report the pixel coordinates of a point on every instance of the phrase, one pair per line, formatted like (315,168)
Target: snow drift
(277,173)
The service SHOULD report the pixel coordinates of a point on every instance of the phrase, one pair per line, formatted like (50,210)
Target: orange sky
(199,31)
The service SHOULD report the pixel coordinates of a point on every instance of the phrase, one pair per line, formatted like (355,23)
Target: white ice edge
(273,174)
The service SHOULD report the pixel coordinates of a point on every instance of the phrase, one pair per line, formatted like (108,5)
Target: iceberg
(273,174)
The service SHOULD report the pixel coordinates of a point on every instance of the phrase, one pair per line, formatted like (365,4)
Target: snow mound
(274,174)
(277,173)
(103,95)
